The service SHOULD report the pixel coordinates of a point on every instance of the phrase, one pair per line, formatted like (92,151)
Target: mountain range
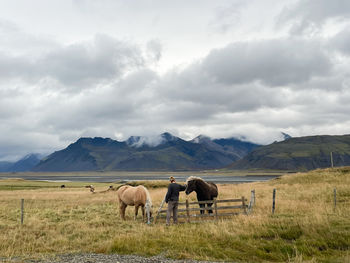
(170,153)
(163,152)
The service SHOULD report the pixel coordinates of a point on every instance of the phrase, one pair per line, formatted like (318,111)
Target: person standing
(172,199)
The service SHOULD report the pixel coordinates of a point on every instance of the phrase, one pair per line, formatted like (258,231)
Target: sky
(112,68)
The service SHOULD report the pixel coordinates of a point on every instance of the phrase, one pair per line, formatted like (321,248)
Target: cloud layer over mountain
(116,69)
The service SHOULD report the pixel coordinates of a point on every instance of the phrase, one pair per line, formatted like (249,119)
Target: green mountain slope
(303,153)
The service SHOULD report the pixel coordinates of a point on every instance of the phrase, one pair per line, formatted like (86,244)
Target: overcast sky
(113,68)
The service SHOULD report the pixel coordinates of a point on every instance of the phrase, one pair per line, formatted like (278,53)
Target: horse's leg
(143,212)
(210,211)
(202,206)
(136,211)
(122,208)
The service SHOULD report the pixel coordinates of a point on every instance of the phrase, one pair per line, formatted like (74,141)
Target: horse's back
(130,195)
(125,194)
(121,190)
(140,196)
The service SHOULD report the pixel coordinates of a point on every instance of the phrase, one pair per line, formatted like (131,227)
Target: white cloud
(306,16)
(198,73)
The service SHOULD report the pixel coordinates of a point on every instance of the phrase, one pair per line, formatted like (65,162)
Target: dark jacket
(173,192)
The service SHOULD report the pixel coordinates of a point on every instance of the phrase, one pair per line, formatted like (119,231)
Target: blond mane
(191,178)
(148,197)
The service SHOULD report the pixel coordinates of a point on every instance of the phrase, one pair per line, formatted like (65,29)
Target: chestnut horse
(134,196)
(205,191)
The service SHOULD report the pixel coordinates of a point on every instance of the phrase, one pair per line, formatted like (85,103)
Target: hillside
(23,165)
(303,153)
(164,152)
(5,166)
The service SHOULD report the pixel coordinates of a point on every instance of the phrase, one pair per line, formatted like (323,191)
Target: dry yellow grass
(305,226)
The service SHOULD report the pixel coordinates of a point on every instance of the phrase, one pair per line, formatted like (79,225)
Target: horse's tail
(148,197)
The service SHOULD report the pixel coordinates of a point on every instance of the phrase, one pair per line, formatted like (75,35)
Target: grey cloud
(105,87)
(103,58)
(16,142)
(111,105)
(16,42)
(154,50)
(246,77)
(270,83)
(7,27)
(15,67)
(137,82)
(227,17)
(76,66)
(274,62)
(206,96)
(152,141)
(13,104)
(306,15)
(341,41)
(94,110)
(10,109)
(190,112)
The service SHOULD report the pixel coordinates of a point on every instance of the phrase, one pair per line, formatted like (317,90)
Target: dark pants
(172,209)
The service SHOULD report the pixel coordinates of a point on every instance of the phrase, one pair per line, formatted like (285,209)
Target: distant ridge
(303,153)
(286,136)
(25,164)
(162,152)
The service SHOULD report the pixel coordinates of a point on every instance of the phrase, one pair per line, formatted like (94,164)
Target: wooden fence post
(187,211)
(216,209)
(335,198)
(252,201)
(160,208)
(273,200)
(332,159)
(22,211)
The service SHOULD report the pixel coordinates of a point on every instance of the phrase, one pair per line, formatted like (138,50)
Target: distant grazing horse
(205,191)
(134,196)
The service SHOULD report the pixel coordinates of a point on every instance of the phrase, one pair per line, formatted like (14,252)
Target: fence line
(215,208)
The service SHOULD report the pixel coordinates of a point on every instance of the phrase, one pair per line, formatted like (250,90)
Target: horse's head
(148,207)
(190,187)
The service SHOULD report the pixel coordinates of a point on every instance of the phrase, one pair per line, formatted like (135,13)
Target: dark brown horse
(204,190)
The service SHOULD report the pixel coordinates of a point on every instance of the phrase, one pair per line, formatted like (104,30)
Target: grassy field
(304,228)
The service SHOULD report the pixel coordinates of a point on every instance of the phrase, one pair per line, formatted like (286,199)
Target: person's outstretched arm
(183,187)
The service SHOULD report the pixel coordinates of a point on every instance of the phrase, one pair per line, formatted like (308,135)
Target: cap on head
(172,179)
